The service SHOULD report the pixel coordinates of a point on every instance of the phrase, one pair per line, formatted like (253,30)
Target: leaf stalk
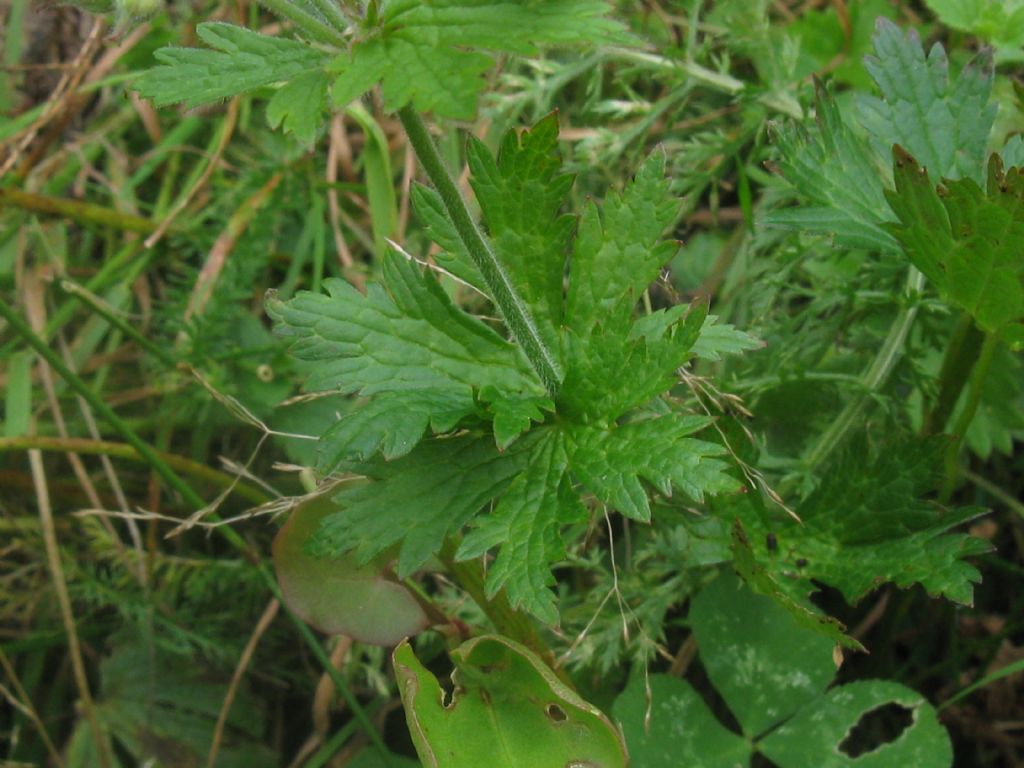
(509,302)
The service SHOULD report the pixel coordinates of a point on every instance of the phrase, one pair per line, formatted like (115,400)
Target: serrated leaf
(623,364)
(833,169)
(240,60)
(508,710)
(618,251)
(521,193)
(526,526)
(453,258)
(717,340)
(392,424)
(407,337)
(336,595)
(419,499)
(816,733)
(681,730)
(513,415)
(965,242)
(867,524)
(944,124)
(612,462)
(299,105)
(759,660)
(1000,22)
(432,54)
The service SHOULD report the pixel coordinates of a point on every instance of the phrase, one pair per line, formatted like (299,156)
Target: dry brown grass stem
(269,613)
(35,459)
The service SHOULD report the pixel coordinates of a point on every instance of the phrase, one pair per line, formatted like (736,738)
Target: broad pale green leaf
(406,336)
(521,194)
(420,498)
(240,60)
(508,710)
(299,106)
(759,659)
(814,735)
(944,124)
(612,462)
(682,730)
(526,526)
(391,423)
(335,594)
(966,243)
(834,170)
(434,53)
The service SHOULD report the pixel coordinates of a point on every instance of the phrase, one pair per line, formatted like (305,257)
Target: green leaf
(526,526)
(619,252)
(508,710)
(521,194)
(336,595)
(834,170)
(419,499)
(431,54)
(966,243)
(759,660)
(720,339)
(999,22)
(407,337)
(867,524)
(612,462)
(623,364)
(1013,152)
(815,734)
(18,395)
(299,106)
(241,60)
(944,124)
(513,415)
(392,423)
(682,731)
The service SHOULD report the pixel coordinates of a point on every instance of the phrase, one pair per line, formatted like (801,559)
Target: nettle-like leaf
(966,240)
(433,53)
(773,675)
(868,524)
(944,123)
(237,61)
(500,440)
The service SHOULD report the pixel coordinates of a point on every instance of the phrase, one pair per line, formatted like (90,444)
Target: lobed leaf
(240,61)
(965,242)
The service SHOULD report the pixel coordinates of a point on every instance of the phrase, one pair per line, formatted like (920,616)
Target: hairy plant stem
(510,304)
(977,384)
(192,498)
(961,355)
(506,619)
(874,377)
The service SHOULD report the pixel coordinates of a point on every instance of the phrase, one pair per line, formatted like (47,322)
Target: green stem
(977,385)
(507,620)
(87,447)
(961,355)
(509,303)
(873,378)
(193,499)
(86,213)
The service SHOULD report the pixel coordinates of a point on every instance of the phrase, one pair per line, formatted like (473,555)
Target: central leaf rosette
(454,427)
